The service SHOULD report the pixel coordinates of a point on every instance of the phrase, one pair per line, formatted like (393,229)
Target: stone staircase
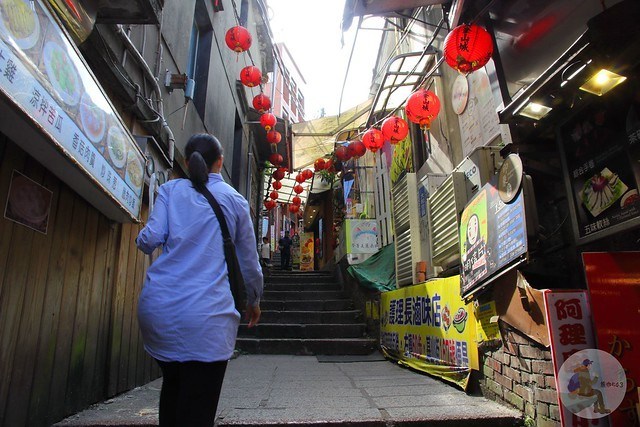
(306,313)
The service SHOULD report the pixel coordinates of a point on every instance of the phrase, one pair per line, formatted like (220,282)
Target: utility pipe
(135,54)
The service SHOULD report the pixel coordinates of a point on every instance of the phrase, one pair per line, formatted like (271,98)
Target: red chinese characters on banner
(613,279)
(569,325)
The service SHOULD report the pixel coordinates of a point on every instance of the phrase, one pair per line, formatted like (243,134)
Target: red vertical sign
(613,279)
(570,330)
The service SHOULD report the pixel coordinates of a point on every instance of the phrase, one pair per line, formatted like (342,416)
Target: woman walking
(186,308)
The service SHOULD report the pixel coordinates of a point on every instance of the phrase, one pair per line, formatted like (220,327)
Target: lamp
(532,110)
(602,82)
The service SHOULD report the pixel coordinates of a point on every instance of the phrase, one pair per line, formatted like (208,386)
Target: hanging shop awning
(354,8)
(403,74)
(52,106)
(316,138)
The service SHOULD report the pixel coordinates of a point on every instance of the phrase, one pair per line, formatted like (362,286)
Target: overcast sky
(311,31)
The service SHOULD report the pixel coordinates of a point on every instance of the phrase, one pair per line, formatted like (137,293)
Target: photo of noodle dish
(20,23)
(62,73)
(135,171)
(117,147)
(601,191)
(92,119)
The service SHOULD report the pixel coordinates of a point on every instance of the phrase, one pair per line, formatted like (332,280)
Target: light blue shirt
(186,310)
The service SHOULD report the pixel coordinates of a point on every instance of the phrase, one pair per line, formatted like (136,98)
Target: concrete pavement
(299,390)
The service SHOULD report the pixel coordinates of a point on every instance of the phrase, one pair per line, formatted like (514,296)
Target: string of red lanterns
(467,48)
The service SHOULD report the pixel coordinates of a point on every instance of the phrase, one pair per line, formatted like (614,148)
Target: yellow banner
(429,328)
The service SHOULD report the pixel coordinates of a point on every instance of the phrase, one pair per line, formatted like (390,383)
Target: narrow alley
(327,375)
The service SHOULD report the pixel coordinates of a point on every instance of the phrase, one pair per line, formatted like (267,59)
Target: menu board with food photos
(42,73)
(601,147)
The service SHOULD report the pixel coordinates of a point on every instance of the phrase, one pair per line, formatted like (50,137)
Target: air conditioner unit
(411,224)
(445,207)
(478,168)
(447,203)
(402,231)
(420,218)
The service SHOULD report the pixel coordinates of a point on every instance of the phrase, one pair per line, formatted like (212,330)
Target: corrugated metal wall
(69,334)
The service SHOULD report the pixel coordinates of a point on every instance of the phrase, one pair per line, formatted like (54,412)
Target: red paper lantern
(328,165)
(319,164)
(300,178)
(275,159)
(294,208)
(394,129)
(276,185)
(274,195)
(273,137)
(296,200)
(250,76)
(342,153)
(268,121)
(467,48)
(298,189)
(307,173)
(422,107)
(356,149)
(373,139)
(238,39)
(269,204)
(261,103)
(278,174)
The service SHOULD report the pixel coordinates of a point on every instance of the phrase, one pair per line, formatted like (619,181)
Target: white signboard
(362,236)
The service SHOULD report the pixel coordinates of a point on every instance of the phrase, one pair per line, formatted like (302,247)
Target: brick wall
(519,373)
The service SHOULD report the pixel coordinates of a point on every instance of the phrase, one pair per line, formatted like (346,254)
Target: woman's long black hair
(202,151)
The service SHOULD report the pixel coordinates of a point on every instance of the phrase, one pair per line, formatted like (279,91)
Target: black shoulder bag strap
(236,281)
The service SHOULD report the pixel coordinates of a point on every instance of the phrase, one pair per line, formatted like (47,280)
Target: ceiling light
(535,111)
(602,82)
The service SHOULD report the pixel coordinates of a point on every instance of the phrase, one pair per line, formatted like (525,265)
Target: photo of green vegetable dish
(602,191)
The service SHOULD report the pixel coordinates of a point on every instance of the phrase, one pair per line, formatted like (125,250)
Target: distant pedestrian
(265,252)
(186,310)
(285,251)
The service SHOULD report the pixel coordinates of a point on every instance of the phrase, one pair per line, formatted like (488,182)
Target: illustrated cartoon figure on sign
(581,384)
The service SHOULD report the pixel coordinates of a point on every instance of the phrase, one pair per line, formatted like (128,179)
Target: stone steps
(306,313)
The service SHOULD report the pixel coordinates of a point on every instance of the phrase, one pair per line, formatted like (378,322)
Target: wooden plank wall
(69,334)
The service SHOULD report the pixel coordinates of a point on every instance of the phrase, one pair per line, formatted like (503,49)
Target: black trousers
(285,259)
(190,393)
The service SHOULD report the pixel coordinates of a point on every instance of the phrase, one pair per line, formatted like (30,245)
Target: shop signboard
(493,236)
(613,279)
(42,73)
(428,327)
(295,252)
(601,152)
(362,236)
(572,352)
(306,252)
